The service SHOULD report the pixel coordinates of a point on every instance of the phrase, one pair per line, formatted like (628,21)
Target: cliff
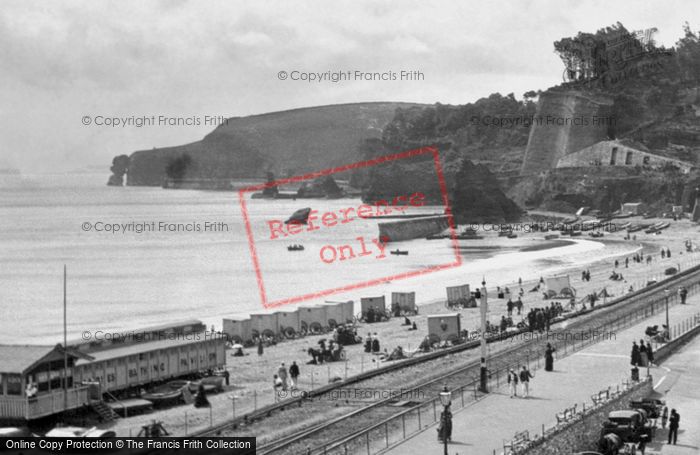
(287,143)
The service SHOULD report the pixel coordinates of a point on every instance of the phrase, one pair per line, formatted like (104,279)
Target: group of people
(539,319)
(285,379)
(642,354)
(523,377)
(372,344)
(586,275)
(510,305)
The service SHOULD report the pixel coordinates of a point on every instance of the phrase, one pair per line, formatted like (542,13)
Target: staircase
(105,412)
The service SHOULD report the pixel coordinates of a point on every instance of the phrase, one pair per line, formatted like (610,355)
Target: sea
(142,256)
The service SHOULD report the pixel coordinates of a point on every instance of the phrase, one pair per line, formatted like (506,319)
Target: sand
(251,375)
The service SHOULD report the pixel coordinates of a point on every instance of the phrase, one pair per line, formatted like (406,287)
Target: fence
(416,418)
(393,430)
(602,397)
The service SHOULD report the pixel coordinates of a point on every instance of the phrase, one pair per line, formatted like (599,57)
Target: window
(628,158)
(613,156)
(14,385)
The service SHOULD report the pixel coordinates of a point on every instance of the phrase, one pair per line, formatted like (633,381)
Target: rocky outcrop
(120,165)
(476,197)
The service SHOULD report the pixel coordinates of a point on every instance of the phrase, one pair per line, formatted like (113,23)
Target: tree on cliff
(177,167)
(688,51)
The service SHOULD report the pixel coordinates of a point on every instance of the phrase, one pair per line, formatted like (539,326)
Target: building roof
(148,346)
(149,329)
(18,358)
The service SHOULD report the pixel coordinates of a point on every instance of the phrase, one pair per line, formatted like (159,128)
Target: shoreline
(251,375)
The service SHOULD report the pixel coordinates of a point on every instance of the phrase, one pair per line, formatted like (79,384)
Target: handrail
(106,392)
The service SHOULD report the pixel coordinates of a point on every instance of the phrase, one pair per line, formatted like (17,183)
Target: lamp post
(668,326)
(446,423)
(483,386)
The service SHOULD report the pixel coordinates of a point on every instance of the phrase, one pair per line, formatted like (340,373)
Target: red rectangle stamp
(345,241)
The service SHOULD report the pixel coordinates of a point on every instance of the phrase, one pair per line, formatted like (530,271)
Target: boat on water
(512,236)
(300,216)
(295,248)
(399,252)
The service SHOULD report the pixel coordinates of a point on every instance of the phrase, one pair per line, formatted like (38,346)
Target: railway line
(331,419)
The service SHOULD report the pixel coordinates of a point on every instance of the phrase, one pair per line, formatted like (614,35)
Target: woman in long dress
(549,358)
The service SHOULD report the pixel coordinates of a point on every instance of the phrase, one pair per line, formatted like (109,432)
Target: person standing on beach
(525,376)
(673,423)
(260,347)
(683,292)
(294,374)
(519,305)
(513,383)
(650,354)
(282,373)
(549,358)
(509,307)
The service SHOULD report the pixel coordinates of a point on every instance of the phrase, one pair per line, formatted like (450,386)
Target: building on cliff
(566,122)
(620,153)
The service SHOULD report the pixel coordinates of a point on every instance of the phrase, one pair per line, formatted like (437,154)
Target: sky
(68,67)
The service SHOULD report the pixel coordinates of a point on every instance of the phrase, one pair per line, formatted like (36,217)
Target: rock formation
(120,166)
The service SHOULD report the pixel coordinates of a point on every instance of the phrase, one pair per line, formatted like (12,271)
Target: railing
(43,404)
(397,428)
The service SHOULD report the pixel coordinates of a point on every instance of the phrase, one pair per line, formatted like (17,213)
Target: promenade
(482,427)
(682,387)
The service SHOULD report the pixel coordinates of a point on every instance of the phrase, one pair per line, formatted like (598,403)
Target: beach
(251,375)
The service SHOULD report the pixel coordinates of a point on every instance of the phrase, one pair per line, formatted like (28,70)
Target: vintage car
(631,425)
(80,432)
(652,406)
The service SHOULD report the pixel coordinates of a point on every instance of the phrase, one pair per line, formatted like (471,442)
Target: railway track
(348,418)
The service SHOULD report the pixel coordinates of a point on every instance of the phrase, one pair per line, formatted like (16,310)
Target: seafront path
(482,427)
(682,387)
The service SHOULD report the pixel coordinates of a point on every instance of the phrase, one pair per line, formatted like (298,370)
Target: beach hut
(378,304)
(238,329)
(559,286)
(444,327)
(458,295)
(289,322)
(264,323)
(334,313)
(312,318)
(348,311)
(403,303)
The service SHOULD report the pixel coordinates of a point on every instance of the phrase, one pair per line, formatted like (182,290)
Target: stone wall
(583,434)
(566,122)
(602,153)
